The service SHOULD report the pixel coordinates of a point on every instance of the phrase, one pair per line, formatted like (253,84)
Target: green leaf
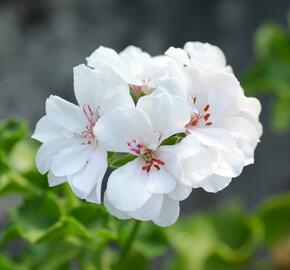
(6,263)
(119,160)
(151,241)
(94,219)
(22,155)
(4,164)
(225,233)
(56,255)
(174,139)
(270,72)
(13,182)
(36,216)
(274,214)
(11,131)
(281,114)
(11,232)
(133,261)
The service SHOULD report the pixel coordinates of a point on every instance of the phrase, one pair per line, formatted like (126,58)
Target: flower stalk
(129,243)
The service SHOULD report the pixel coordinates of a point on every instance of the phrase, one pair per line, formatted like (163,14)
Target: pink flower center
(92,117)
(150,158)
(151,161)
(135,147)
(201,118)
(139,89)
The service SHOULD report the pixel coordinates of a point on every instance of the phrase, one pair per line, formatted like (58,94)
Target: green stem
(128,245)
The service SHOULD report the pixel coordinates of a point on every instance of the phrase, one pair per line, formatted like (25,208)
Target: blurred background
(51,229)
(41,41)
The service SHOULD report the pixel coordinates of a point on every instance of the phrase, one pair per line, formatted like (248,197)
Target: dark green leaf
(37,216)
(11,131)
(274,214)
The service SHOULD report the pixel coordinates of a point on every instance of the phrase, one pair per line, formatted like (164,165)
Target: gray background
(41,41)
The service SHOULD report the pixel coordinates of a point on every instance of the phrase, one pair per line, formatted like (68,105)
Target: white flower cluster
(182,115)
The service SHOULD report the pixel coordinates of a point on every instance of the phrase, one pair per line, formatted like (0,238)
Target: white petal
(150,210)
(47,152)
(93,88)
(171,86)
(55,180)
(168,114)
(214,137)
(229,164)
(249,105)
(118,128)
(71,160)
(169,212)
(160,181)
(181,192)
(91,176)
(46,131)
(248,149)
(65,114)
(221,90)
(205,54)
(197,167)
(106,57)
(136,61)
(114,211)
(126,188)
(223,96)
(179,55)
(215,183)
(241,127)
(116,99)
(187,147)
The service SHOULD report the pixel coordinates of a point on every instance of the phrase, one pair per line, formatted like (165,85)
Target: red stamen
(157,167)
(206,108)
(158,161)
(151,161)
(208,124)
(206,116)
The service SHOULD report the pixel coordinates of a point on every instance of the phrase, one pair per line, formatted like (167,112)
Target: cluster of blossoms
(182,116)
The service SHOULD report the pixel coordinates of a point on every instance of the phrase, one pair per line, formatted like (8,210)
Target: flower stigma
(92,119)
(148,155)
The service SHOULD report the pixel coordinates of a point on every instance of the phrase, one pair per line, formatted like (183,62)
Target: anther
(157,167)
(206,116)
(206,108)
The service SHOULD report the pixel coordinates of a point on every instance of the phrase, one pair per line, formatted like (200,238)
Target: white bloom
(141,71)
(70,151)
(203,56)
(148,187)
(223,121)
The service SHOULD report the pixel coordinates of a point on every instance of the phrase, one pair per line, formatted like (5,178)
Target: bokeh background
(41,41)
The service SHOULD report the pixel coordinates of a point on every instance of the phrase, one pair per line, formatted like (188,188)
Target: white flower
(203,56)
(70,151)
(223,121)
(148,187)
(141,71)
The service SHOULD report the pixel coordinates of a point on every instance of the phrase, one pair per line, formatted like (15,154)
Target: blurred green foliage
(270,72)
(52,229)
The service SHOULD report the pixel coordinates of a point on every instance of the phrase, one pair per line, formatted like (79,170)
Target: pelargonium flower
(223,121)
(147,188)
(205,56)
(70,151)
(141,71)
(192,126)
